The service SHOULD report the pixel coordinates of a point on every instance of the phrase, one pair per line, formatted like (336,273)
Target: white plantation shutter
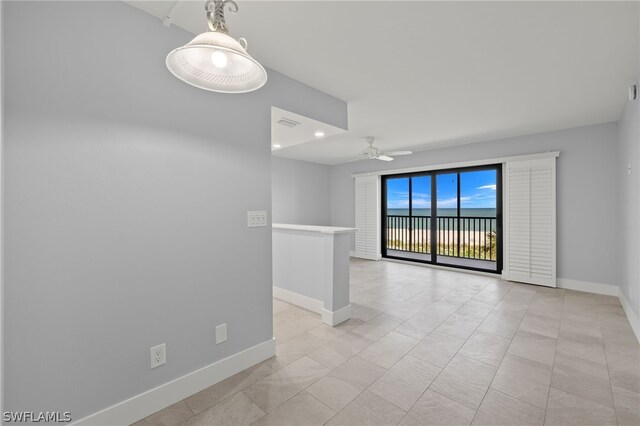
(530,221)
(368,217)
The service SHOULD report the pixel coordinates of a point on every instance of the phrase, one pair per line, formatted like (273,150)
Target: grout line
(505,352)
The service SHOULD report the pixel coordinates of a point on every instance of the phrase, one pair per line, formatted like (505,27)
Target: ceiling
(419,75)
(300,130)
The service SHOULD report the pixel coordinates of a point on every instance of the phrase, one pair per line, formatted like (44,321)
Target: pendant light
(216,61)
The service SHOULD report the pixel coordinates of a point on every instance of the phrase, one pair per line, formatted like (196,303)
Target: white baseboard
(590,287)
(631,315)
(336,317)
(366,256)
(146,403)
(297,299)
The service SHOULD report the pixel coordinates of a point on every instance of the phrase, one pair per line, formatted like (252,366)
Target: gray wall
(1,213)
(629,193)
(125,206)
(586,181)
(301,192)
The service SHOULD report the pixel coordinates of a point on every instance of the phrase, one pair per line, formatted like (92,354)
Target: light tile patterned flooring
(434,347)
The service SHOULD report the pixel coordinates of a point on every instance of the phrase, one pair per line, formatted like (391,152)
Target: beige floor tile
(476,308)
(291,313)
(210,396)
(170,416)
(334,392)
(580,345)
(540,324)
(504,325)
(340,350)
(524,379)
(511,308)
(363,313)
(441,309)
(435,409)
(279,306)
(437,349)
(580,309)
(419,326)
(405,310)
(302,409)
(327,356)
(627,406)
(327,332)
(624,372)
(565,409)
(585,379)
(368,409)
(292,328)
(358,371)
(345,383)
(621,342)
(275,389)
(533,346)
(405,382)
(461,326)
(389,349)
(235,410)
(377,327)
(546,308)
(297,347)
(500,409)
(486,347)
(464,380)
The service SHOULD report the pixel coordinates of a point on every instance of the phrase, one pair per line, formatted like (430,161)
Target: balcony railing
(464,237)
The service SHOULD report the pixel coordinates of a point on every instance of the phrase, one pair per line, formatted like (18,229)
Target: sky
(477,190)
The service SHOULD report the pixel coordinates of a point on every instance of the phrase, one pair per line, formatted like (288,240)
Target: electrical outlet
(158,355)
(221,333)
(256,218)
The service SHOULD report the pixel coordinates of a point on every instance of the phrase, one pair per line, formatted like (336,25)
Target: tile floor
(434,347)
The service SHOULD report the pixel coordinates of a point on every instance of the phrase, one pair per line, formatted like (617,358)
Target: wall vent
(287,123)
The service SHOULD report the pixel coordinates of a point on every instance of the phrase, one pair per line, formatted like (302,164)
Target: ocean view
(464,212)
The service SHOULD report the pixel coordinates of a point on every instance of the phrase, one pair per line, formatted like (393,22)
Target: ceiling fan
(372,153)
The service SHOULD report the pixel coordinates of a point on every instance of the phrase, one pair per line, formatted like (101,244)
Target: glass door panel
(421,214)
(397,206)
(478,216)
(447,214)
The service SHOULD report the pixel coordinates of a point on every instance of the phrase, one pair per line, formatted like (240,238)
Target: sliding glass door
(447,217)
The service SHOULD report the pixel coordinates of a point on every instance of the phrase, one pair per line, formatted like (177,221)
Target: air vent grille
(287,123)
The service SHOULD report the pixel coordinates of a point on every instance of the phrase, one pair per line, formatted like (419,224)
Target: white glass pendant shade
(217,62)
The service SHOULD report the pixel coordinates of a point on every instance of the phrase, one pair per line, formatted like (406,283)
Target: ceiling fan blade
(399,153)
(384,158)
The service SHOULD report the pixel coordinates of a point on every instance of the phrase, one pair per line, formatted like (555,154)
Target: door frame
(434,208)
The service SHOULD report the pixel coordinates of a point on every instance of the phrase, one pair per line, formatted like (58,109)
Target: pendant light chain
(215,14)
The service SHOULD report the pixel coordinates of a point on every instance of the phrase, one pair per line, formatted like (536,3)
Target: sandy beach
(445,236)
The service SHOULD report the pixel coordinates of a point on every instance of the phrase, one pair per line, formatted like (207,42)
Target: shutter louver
(367,217)
(530,220)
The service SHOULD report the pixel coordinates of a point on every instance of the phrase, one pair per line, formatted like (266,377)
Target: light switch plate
(257,218)
(221,333)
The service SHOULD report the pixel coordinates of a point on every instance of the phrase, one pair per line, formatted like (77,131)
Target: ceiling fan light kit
(216,61)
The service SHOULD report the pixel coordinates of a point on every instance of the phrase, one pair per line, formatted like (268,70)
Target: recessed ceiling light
(276,145)
(319,134)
